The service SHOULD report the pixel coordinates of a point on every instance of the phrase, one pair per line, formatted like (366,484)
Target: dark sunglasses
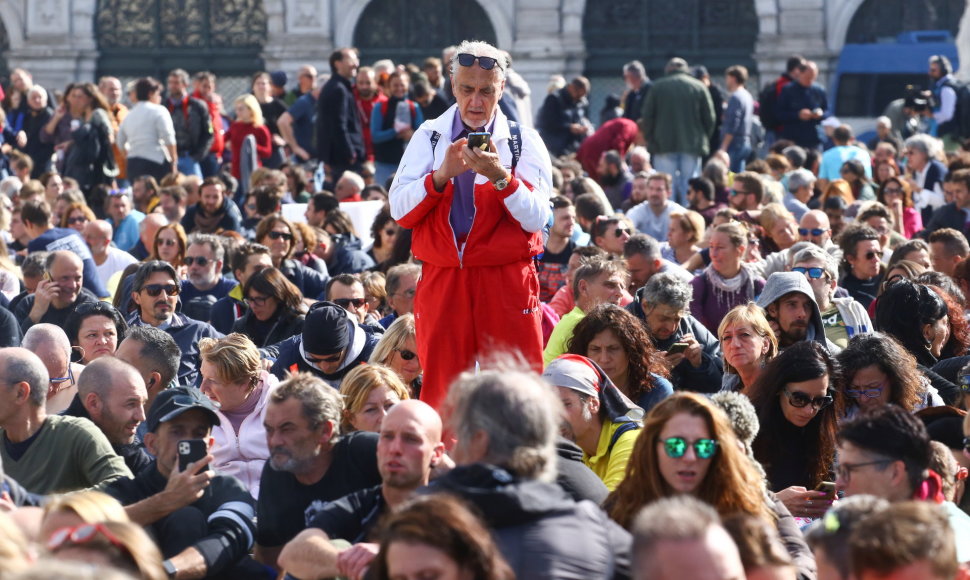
(799,400)
(156,289)
(738,192)
(406,354)
(620,231)
(200,260)
(328,359)
(486,62)
(168,242)
(813,273)
(813,231)
(258,301)
(871,255)
(676,447)
(280,235)
(77,220)
(345,302)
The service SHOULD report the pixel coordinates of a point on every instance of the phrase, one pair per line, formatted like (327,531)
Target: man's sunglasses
(676,447)
(813,231)
(280,235)
(406,354)
(345,302)
(202,261)
(799,400)
(871,255)
(813,273)
(154,290)
(486,62)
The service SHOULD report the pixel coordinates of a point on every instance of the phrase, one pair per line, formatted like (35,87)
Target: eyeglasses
(738,192)
(280,235)
(844,470)
(813,231)
(486,62)
(799,400)
(60,380)
(156,289)
(813,273)
(871,255)
(167,242)
(620,231)
(345,302)
(676,447)
(77,220)
(202,261)
(406,354)
(251,206)
(257,300)
(865,392)
(81,535)
(892,190)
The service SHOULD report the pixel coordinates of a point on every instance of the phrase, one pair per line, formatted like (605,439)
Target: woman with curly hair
(877,370)
(618,342)
(895,194)
(798,400)
(687,446)
(959,340)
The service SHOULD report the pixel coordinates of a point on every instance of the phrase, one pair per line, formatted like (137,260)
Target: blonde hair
(91,506)
(14,548)
(692,222)
(736,232)
(752,315)
(399,331)
(772,213)
(235,356)
(358,384)
(250,102)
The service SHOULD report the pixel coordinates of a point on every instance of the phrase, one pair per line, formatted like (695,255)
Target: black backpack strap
(515,142)
(620,431)
(434,140)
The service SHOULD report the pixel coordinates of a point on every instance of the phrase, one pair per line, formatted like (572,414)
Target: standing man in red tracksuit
(476,218)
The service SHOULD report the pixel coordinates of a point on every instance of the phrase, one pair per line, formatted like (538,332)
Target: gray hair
(680,518)
(742,414)
(665,288)
(354,178)
(213,241)
(321,403)
(24,366)
(814,252)
(43,333)
(480,48)
(930,146)
(635,67)
(800,178)
(518,412)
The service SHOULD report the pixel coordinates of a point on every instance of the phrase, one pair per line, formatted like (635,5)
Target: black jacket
(10,334)
(193,127)
(542,532)
(340,134)
(312,284)
(703,379)
(946,216)
(286,326)
(289,359)
(231,218)
(574,477)
(55,316)
(558,112)
(348,257)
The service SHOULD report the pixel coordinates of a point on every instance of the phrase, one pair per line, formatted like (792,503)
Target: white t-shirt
(117,261)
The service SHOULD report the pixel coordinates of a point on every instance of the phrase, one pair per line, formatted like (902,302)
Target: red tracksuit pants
(463,315)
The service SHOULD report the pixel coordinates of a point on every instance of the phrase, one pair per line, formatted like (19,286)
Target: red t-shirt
(239,131)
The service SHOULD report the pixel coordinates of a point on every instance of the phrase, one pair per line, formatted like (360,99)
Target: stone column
(58,42)
(792,27)
(299,32)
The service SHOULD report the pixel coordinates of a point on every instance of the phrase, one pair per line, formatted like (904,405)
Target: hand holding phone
(479,140)
(190,451)
(828,488)
(677,347)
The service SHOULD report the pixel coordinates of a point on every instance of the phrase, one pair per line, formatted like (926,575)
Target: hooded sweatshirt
(781,283)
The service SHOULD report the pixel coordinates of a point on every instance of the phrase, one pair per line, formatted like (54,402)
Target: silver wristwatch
(501,184)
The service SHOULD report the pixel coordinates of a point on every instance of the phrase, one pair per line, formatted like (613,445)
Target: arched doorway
(151,37)
(882,20)
(414,30)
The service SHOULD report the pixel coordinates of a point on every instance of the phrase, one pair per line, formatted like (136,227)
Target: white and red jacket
(507,225)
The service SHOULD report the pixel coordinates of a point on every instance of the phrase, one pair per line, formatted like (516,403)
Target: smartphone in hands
(190,451)
(479,140)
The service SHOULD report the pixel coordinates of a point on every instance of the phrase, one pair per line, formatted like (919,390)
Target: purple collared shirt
(463,203)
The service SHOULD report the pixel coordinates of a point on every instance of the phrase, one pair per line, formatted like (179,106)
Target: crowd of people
(714,336)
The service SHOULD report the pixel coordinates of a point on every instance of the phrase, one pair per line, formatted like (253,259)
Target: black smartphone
(677,347)
(190,451)
(479,140)
(826,487)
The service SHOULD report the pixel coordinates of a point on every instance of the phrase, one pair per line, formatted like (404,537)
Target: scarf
(727,289)
(207,223)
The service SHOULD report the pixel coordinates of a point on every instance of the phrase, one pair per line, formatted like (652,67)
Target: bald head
(99,227)
(97,234)
(18,366)
(149,227)
(51,344)
(409,446)
(63,257)
(101,376)
(113,393)
(816,220)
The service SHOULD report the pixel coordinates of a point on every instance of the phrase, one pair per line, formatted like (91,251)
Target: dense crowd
(715,336)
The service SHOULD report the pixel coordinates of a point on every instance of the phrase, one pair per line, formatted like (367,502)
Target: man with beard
(111,393)
(308,461)
(58,294)
(789,304)
(616,179)
(215,210)
(156,293)
(842,318)
(205,284)
(367,94)
(652,217)
(409,448)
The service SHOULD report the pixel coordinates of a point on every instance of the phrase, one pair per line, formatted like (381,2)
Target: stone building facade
(65,40)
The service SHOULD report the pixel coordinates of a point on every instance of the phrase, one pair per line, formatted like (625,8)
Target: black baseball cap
(172,402)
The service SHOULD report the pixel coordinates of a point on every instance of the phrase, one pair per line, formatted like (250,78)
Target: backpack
(620,431)
(767,102)
(959,125)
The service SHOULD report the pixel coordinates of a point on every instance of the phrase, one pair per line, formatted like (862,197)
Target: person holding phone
(201,521)
(476,218)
